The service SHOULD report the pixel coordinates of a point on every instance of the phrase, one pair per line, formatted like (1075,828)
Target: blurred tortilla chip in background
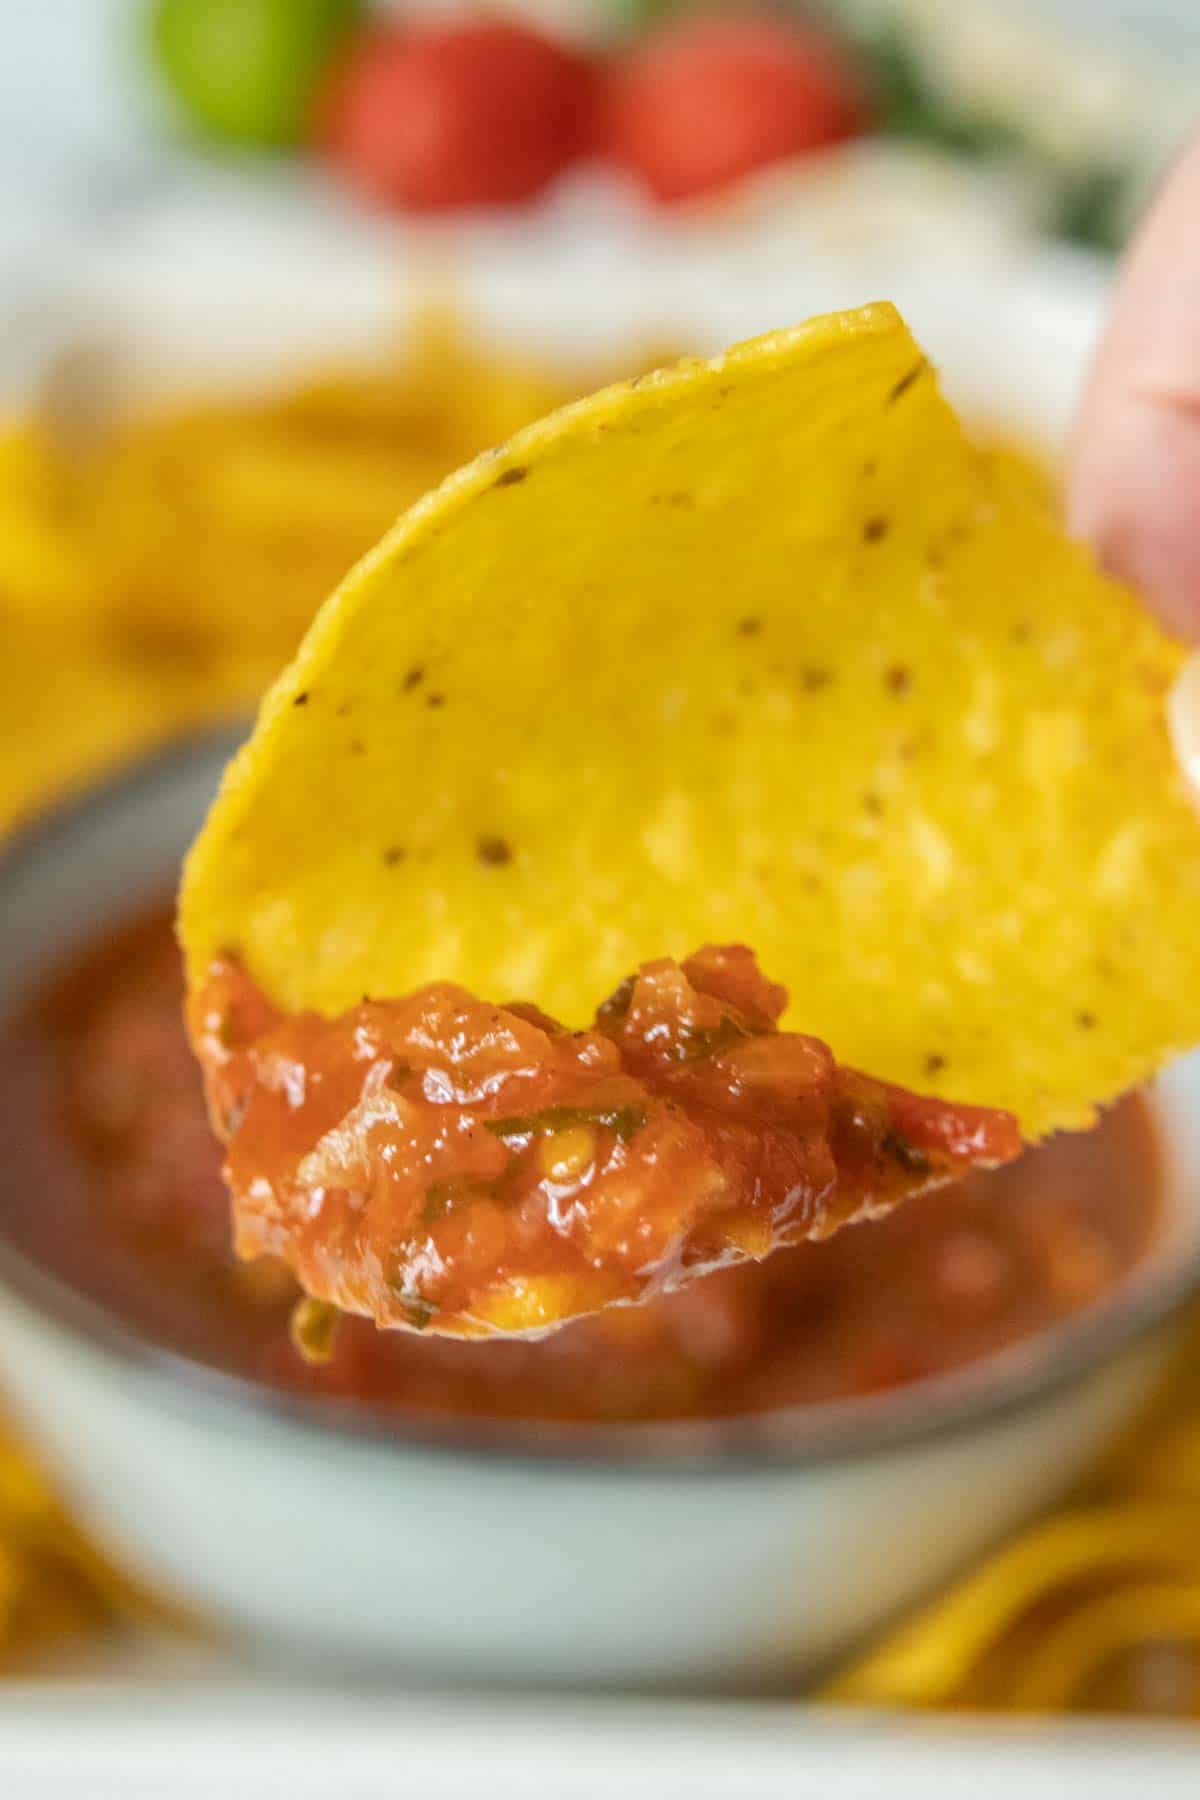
(157,571)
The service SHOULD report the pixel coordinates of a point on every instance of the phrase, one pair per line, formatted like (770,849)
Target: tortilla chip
(753,649)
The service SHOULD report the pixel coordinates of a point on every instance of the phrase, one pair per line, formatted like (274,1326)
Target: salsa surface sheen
(115,1183)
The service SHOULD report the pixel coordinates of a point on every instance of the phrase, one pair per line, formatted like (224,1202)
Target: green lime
(247,70)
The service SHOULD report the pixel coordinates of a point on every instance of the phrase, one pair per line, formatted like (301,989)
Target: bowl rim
(988,1392)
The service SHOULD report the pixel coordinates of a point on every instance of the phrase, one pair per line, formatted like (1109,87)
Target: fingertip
(1133,495)
(1135,478)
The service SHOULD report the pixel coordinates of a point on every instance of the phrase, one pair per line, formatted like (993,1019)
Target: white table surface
(174,1743)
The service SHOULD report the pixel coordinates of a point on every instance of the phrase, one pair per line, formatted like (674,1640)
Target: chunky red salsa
(112,1178)
(442,1163)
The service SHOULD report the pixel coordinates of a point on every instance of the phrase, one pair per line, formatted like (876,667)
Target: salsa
(114,1181)
(441,1163)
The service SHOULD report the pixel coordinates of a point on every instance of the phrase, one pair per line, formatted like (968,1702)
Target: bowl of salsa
(723,1486)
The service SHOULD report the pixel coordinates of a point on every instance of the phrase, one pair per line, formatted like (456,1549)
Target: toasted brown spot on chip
(512,476)
(749,627)
(897,679)
(874,529)
(906,381)
(913,746)
(494,851)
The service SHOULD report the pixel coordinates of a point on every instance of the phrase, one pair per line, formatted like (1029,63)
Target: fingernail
(1183,722)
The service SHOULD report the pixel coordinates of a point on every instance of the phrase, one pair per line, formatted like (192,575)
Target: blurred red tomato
(482,113)
(707,101)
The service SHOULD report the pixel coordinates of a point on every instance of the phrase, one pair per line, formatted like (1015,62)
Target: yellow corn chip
(757,648)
